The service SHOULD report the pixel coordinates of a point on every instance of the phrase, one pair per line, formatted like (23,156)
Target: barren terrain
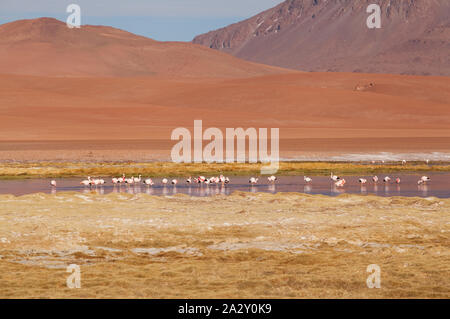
(319,114)
(248,246)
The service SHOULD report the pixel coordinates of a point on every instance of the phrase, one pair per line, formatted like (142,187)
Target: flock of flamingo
(340,182)
(337,180)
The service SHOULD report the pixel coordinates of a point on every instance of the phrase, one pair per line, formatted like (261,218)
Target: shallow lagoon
(438,187)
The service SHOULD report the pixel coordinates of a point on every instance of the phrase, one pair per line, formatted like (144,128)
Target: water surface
(438,187)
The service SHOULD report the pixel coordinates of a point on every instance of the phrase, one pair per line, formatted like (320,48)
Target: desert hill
(48,47)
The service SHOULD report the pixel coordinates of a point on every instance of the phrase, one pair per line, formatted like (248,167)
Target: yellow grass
(158,169)
(241,246)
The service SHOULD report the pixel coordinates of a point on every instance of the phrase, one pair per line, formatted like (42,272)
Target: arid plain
(239,246)
(319,114)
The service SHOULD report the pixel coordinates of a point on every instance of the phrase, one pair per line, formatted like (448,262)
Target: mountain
(47,47)
(332,35)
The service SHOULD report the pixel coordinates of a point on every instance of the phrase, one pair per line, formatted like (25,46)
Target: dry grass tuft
(242,246)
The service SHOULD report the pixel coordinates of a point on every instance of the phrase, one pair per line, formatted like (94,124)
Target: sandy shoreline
(248,246)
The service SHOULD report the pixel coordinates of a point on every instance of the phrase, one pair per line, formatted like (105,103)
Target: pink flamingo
(272,179)
(148,182)
(334,178)
(340,183)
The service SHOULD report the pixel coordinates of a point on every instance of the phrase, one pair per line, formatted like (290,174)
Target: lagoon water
(438,187)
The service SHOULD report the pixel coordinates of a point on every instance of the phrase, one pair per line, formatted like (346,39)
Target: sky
(164,20)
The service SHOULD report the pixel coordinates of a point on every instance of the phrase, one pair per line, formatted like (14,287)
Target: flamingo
(189,180)
(375,179)
(53,183)
(340,183)
(387,179)
(398,180)
(164,181)
(129,180)
(404,162)
(425,179)
(97,182)
(148,182)
(227,180)
(362,180)
(87,182)
(334,177)
(115,180)
(307,179)
(174,182)
(201,179)
(121,179)
(272,179)
(137,179)
(253,180)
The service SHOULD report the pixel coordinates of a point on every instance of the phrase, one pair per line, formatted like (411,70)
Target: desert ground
(102,94)
(241,246)
(319,114)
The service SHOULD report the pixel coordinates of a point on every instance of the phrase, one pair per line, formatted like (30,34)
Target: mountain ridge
(331,35)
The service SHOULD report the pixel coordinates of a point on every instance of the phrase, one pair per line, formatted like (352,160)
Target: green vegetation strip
(168,169)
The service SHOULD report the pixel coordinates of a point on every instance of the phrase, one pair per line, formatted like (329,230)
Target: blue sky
(165,20)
